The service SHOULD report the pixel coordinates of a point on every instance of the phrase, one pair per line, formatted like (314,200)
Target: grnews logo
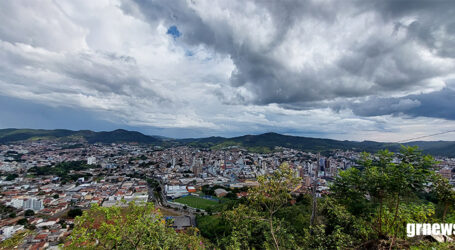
(414,229)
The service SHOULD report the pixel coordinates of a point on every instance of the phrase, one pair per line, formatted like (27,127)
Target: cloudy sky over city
(355,70)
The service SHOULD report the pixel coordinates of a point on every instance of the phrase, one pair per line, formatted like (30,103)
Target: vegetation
(73,213)
(368,208)
(29,213)
(263,143)
(15,240)
(197,202)
(6,210)
(63,170)
(119,135)
(133,227)
(11,177)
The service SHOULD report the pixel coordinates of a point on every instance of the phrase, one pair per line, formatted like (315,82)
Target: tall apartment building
(33,204)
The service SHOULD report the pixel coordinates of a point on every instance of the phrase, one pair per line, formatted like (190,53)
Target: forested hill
(256,143)
(119,135)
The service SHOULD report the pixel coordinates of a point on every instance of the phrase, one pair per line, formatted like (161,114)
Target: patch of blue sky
(174,32)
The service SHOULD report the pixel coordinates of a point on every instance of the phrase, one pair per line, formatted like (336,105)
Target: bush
(22,221)
(29,212)
(73,213)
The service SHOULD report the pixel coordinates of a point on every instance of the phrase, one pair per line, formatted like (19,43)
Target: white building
(10,230)
(175,191)
(33,204)
(16,203)
(91,160)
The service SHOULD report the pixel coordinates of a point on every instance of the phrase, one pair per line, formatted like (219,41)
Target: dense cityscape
(42,181)
(231,125)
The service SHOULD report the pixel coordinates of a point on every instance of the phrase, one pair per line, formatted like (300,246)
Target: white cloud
(237,67)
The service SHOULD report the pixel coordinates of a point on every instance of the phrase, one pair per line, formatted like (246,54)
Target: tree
(382,186)
(272,194)
(73,213)
(22,221)
(445,194)
(29,212)
(11,177)
(132,227)
(55,196)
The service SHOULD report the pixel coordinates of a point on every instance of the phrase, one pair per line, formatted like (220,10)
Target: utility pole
(315,183)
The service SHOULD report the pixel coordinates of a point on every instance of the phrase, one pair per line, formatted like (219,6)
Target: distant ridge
(119,135)
(255,143)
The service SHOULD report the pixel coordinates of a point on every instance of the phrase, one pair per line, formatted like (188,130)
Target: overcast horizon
(347,70)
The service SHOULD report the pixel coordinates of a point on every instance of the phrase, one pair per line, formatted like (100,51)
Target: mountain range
(255,143)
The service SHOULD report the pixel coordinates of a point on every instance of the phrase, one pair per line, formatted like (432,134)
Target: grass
(168,212)
(196,202)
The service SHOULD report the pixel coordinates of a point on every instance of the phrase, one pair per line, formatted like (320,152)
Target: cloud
(307,51)
(437,104)
(341,69)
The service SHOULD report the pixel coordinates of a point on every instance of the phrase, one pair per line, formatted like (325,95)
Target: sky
(348,70)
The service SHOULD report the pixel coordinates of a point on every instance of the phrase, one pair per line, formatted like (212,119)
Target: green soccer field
(196,202)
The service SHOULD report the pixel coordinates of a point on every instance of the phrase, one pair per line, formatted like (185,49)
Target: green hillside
(262,143)
(119,135)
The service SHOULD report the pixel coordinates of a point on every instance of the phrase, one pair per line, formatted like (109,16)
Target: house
(40,237)
(191,189)
(39,246)
(242,194)
(219,192)
(182,222)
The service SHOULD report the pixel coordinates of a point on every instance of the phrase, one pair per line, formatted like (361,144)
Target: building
(219,192)
(91,160)
(33,204)
(191,189)
(182,222)
(446,172)
(8,231)
(197,166)
(175,191)
(16,203)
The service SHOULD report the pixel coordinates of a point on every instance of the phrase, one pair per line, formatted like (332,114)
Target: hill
(254,143)
(268,141)
(119,135)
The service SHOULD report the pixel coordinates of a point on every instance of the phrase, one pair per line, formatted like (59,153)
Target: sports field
(196,202)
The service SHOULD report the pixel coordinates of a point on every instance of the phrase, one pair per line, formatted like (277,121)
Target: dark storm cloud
(380,63)
(434,25)
(89,72)
(438,104)
(18,113)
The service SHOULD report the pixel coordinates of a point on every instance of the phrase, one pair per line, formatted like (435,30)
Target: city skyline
(350,70)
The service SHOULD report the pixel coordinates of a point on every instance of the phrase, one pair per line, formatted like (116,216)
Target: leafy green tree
(384,190)
(273,193)
(29,212)
(73,213)
(11,177)
(132,227)
(247,229)
(445,194)
(22,221)
(264,201)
